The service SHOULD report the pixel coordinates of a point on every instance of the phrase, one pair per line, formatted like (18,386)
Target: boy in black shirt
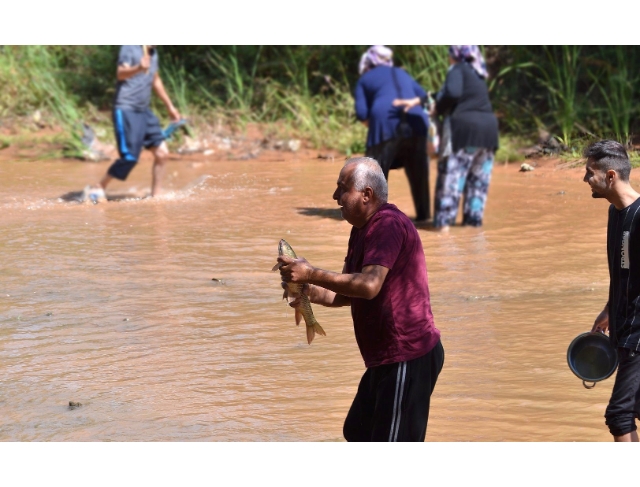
(607,173)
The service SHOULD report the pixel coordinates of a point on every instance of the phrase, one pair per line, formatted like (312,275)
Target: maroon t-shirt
(397,324)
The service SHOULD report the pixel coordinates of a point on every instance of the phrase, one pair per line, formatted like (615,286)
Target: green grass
(306,92)
(29,76)
(573,157)
(510,149)
(557,72)
(616,84)
(30,145)
(428,65)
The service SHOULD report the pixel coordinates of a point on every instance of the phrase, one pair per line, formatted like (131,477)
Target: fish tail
(313,327)
(318,329)
(310,334)
(298,316)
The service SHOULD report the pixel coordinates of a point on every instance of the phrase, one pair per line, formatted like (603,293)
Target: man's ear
(367,193)
(611,175)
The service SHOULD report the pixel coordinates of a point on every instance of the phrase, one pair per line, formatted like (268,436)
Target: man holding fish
(384,280)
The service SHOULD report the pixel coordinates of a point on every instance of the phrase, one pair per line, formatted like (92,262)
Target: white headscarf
(375,56)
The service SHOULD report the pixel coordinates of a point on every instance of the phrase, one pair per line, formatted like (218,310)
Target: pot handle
(584,383)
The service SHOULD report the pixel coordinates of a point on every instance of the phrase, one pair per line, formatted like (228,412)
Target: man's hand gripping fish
(304,311)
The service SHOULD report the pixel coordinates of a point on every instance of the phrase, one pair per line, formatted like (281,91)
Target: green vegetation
(573,156)
(616,85)
(509,150)
(32,80)
(576,93)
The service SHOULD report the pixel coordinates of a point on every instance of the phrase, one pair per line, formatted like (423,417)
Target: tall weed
(30,74)
(428,65)
(239,84)
(616,83)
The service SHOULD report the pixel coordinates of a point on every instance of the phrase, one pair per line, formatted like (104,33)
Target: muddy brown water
(113,305)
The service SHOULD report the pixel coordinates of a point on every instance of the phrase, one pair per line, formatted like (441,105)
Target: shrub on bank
(571,91)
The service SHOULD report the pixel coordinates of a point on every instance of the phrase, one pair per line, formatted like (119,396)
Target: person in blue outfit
(470,139)
(397,136)
(135,125)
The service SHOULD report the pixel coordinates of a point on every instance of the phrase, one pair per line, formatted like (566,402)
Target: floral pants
(467,172)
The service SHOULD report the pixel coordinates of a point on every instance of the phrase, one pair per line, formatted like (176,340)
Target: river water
(114,306)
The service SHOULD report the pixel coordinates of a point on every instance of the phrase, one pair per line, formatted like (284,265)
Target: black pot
(592,357)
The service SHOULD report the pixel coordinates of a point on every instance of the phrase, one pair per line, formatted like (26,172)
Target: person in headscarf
(471,55)
(375,56)
(469,139)
(396,137)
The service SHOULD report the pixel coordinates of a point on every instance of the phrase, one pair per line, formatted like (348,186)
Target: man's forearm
(324,297)
(349,285)
(158,87)
(125,71)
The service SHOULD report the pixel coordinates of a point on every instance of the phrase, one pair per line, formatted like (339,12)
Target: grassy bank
(573,92)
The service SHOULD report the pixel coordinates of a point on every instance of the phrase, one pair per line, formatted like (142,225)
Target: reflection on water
(113,306)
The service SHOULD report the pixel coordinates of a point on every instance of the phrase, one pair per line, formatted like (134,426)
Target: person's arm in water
(158,87)
(602,321)
(365,284)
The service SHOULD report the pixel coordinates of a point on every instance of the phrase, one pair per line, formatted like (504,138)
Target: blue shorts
(134,130)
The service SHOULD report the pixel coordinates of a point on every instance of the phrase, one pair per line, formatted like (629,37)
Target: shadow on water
(333,213)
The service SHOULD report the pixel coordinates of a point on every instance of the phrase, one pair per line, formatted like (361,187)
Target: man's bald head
(367,172)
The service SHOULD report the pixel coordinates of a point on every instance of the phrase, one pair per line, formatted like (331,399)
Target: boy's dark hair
(609,154)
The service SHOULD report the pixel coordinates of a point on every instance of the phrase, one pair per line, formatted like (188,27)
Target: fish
(304,311)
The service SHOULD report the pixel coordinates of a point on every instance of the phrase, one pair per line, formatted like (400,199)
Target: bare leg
(106,179)
(160,154)
(633,436)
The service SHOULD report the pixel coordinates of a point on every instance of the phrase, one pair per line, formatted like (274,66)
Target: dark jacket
(466,98)
(374,95)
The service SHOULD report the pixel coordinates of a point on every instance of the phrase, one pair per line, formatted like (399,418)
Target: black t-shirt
(473,123)
(623,251)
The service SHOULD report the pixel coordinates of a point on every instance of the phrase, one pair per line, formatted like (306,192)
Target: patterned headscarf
(375,56)
(471,55)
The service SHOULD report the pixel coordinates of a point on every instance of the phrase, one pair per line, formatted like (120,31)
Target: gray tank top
(135,93)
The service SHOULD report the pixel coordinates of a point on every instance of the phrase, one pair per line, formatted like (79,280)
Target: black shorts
(624,405)
(392,402)
(134,130)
